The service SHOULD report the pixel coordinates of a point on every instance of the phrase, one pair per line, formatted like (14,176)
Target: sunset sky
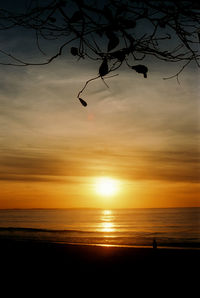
(141,132)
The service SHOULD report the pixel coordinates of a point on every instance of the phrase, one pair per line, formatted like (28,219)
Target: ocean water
(171,227)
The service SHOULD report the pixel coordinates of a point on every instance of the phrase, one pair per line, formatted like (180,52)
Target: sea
(170,227)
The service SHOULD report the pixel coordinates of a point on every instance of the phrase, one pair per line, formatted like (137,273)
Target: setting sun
(106,186)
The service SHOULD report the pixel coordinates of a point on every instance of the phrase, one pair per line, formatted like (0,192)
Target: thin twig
(178,73)
(38,44)
(86,83)
(105,82)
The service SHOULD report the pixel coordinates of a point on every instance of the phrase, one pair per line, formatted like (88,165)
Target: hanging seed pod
(83,102)
(74,51)
(141,69)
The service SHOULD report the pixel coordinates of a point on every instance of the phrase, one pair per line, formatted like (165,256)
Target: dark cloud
(167,165)
(32,178)
(19,165)
(171,166)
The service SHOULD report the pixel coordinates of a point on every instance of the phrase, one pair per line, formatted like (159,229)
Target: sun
(106,186)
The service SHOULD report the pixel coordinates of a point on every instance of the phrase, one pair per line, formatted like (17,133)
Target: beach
(30,261)
(94,250)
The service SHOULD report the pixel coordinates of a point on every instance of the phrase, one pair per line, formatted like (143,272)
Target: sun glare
(106,186)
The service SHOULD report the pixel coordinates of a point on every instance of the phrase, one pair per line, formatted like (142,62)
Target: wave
(39,230)
(94,237)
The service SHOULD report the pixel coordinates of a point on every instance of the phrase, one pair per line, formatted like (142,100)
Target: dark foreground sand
(58,264)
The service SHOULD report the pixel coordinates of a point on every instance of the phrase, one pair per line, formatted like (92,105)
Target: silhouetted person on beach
(154,244)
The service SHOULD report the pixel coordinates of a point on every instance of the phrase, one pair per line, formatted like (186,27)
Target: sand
(60,264)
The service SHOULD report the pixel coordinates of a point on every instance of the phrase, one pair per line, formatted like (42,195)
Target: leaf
(108,14)
(103,69)
(127,23)
(162,23)
(100,32)
(52,19)
(62,3)
(121,9)
(83,102)
(74,51)
(141,69)
(145,13)
(113,40)
(77,16)
(120,55)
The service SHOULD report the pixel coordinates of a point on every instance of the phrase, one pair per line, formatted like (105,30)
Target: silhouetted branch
(113,32)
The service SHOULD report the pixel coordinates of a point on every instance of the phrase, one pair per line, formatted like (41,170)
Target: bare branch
(117,32)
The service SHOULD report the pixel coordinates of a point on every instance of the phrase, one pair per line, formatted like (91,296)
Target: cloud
(170,166)
(27,165)
(74,162)
(136,128)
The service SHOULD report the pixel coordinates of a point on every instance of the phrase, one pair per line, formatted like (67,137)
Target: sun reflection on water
(107,225)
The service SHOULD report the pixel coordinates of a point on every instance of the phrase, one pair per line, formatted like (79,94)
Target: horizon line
(98,208)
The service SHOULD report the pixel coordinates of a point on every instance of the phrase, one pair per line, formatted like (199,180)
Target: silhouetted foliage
(103,69)
(111,31)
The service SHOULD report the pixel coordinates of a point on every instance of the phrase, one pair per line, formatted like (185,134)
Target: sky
(141,132)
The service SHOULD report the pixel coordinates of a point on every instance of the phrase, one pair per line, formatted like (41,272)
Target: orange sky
(144,133)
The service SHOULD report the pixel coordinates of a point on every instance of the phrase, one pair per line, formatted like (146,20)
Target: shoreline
(170,245)
(175,246)
(18,245)
(181,246)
